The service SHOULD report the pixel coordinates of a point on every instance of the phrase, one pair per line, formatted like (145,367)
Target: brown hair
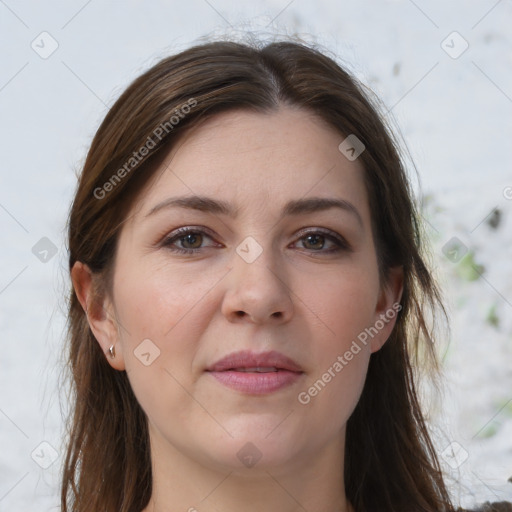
(390,462)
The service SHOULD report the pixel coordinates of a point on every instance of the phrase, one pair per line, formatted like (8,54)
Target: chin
(256,446)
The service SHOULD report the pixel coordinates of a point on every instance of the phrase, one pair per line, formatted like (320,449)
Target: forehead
(259,160)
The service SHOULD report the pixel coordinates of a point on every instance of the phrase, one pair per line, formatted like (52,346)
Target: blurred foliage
(468,269)
(489,430)
(505,407)
(492,317)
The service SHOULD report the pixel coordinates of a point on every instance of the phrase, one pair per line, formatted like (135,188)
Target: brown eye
(315,241)
(186,240)
(193,238)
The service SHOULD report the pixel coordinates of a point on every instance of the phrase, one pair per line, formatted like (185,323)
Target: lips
(249,361)
(256,370)
(256,374)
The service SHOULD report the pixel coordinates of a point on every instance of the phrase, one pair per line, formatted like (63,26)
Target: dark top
(498,506)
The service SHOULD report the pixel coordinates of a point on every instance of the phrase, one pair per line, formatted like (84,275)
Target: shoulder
(501,506)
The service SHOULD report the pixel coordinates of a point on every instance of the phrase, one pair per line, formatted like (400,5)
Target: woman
(248,295)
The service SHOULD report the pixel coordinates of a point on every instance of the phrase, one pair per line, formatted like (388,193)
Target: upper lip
(248,359)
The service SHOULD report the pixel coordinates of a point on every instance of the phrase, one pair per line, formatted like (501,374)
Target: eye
(190,239)
(315,241)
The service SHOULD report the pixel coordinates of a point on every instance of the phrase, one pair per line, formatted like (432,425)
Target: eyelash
(339,241)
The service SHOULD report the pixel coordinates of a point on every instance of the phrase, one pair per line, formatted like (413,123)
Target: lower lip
(257,383)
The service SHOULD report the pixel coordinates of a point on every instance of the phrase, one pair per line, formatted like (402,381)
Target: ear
(387,308)
(100,313)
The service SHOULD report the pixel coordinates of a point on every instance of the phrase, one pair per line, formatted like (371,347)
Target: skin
(296,298)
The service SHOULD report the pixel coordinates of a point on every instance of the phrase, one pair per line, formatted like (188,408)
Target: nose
(257,291)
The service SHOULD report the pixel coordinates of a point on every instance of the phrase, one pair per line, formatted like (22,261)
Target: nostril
(241,314)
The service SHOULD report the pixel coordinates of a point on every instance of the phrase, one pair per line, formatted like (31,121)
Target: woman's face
(259,265)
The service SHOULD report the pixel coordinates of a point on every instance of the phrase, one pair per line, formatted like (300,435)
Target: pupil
(309,237)
(190,238)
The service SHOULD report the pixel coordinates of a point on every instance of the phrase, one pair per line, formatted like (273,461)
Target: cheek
(339,364)
(343,308)
(159,312)
(172,309)
(154,302)
(343,302)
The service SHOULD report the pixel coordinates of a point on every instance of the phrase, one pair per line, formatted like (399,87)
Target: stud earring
(112,351)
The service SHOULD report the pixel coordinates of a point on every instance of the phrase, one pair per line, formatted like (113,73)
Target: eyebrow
(294,207)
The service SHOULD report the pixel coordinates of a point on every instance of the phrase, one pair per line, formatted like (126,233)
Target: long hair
(390,461)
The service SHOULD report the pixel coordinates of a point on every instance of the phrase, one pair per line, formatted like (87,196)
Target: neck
(312,482)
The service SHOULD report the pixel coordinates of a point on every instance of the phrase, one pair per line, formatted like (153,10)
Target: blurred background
(444,73)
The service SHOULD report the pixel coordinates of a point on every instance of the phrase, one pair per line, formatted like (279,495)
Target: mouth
(257,369)
(256,374)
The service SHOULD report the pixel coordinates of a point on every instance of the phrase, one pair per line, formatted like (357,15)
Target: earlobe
(388,307)
(99,311)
